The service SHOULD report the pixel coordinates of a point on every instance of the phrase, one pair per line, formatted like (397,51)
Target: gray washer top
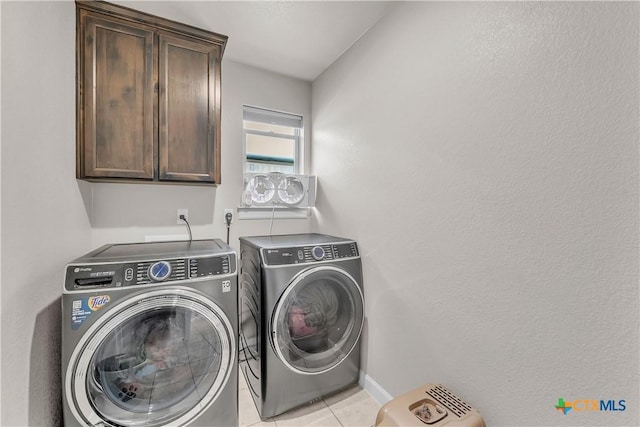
(155,250)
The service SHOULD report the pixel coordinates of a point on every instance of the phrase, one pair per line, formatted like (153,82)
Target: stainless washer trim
(131,288)
(263,249)
(75,380)
(152,259)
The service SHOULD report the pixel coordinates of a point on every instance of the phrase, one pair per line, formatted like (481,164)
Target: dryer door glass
(156,361)
(318,320)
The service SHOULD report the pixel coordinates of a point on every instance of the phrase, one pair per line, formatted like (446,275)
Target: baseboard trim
(374,389)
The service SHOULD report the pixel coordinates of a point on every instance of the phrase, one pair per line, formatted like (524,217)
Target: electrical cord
(273,214)
(227,220)
(188,227)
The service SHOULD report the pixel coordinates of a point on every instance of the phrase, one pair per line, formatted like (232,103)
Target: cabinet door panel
(189,76)
(118,100)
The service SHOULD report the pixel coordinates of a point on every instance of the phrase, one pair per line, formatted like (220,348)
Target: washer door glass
(160,360)
(318,320)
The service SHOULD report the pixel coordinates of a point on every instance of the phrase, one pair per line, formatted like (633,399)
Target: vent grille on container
(177,271)
(450,400)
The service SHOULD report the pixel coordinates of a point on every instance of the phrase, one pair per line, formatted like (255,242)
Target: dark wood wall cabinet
(148,97)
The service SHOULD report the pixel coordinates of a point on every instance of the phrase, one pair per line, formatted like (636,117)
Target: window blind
(260,115)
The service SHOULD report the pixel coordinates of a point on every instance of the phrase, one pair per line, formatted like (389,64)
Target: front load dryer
(149,336)
(301,316)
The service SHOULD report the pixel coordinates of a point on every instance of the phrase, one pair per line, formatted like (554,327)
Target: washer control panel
(203,267)
(115,275)
(310,254)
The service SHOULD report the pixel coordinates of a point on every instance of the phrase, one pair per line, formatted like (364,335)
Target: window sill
(278,213)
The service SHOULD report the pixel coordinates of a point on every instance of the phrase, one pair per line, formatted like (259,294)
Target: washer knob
(317,253)
(159,271)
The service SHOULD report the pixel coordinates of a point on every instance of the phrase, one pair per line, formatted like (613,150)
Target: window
(272,140)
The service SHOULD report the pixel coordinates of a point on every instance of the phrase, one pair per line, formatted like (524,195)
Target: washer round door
(160,358)
(318,319)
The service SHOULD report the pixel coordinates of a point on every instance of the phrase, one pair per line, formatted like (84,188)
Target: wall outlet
(224,217)
(184,212)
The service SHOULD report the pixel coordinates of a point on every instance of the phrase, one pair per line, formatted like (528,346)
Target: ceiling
(295,38)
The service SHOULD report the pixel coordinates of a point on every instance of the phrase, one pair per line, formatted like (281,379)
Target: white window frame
(266,115)
(263,115)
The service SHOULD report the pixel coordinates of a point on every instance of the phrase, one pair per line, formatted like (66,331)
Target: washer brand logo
(96,303)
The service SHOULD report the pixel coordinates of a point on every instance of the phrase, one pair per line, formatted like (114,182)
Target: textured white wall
(50,218)
(44,221)
(485,156)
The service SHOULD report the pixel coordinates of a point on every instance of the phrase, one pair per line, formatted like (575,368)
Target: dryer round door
(318,319)
(159,358)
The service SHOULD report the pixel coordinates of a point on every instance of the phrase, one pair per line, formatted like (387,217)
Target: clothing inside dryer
(317,322)
(311,313)
(160,361)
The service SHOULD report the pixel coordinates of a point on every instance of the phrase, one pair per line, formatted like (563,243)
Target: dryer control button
(317,253)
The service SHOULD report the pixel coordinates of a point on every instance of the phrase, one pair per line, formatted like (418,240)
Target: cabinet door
(189,116)
(116,99)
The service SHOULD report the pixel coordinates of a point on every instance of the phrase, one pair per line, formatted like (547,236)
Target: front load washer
(301,316)
(149,335)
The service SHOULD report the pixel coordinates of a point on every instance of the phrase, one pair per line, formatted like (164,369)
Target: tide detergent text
(96,303)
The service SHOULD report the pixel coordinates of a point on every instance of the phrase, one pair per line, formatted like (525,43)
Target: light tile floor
(353,407)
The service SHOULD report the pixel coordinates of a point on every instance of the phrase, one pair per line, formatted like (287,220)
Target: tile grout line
(333,413)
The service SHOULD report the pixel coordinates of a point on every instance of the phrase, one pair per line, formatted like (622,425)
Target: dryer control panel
(115,275)
(309,254)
